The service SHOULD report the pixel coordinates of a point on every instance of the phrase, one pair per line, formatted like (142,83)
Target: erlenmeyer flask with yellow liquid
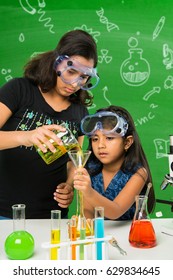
(79,158)
(69,143)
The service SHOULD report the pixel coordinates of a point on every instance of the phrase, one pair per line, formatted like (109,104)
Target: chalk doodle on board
(46,20)
(105,89)
(158,28)
(94,34)
(168,83)
(104,56)
(110,26)
(135,70)
(35,54)
(27,7)
(7,74)
(145,119)
(21,37)
(161,147)
(168,57)
(31,10)
(151,92)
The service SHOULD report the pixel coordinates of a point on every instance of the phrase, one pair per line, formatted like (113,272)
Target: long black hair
(134,156)
(40,69)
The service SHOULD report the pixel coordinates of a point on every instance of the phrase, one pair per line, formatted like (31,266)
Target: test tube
(99,230)
(73,236)
(55,232)
(82,237)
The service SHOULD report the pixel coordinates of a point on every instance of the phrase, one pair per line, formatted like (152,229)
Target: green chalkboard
(135,48)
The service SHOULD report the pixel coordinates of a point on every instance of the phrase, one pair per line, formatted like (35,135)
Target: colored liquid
(142,234)
(88,232)
(81,249)
(55,239)
(73,236)
(19,245)
(99,233)
(49,157)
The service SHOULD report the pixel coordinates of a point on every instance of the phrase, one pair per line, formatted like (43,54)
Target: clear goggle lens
(71,71)
(107,122)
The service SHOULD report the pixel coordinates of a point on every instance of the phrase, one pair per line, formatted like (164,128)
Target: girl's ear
(128,142)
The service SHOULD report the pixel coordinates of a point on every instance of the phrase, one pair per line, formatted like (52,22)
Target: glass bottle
(19,245)
(142,234)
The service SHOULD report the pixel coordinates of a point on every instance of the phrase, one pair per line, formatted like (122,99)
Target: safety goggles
(72,71)
(107,122)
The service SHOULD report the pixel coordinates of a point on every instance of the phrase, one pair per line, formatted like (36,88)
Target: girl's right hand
(82,181)
(40,137)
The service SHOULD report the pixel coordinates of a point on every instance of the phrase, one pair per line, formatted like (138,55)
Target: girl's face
(109,149)
(65,89)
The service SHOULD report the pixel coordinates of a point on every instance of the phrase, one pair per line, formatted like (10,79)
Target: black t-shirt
(24,176)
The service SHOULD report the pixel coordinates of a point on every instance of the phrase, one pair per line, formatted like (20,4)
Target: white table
(40,229)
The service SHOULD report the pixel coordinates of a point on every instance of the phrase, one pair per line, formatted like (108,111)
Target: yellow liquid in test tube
(55,239)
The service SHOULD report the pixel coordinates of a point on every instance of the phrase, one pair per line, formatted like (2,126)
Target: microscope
(168,179)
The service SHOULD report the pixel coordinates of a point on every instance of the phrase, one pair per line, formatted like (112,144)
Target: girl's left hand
(64,195)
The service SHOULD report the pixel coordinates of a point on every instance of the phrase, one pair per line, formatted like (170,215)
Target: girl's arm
(112,209)
(38,137)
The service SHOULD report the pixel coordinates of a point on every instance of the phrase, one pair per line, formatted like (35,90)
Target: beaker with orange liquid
(142,234)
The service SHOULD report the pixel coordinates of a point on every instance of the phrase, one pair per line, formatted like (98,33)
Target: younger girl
(117,169)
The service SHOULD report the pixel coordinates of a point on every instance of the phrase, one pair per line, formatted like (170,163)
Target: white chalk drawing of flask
(135,70)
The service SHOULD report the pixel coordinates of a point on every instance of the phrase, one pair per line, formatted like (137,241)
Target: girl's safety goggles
(107,122)
(72,71)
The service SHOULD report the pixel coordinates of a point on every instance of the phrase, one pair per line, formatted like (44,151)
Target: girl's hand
(40,137)
(64,195)
(82,181)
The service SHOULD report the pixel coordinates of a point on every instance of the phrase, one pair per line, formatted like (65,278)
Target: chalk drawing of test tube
(28,8)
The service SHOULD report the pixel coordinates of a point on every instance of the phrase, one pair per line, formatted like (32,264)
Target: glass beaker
(69,143)
(19,245)
(142,234)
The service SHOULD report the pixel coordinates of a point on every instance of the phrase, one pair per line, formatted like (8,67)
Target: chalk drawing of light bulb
(135,70)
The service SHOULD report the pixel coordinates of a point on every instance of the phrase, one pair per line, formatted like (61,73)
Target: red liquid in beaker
(142,234)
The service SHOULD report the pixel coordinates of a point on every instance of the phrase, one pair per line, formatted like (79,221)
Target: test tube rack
(65,248)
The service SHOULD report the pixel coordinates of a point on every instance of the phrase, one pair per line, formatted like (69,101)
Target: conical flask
(142,234)
(19,245)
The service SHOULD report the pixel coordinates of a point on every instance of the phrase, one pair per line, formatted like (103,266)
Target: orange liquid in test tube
(73,236)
